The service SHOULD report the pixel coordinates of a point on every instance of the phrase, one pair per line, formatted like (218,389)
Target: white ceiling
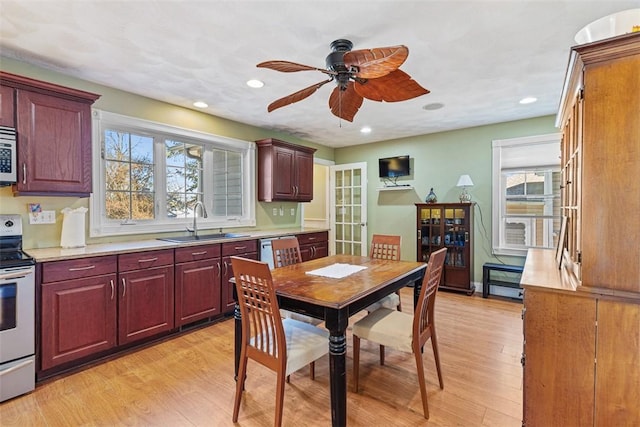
(477,57)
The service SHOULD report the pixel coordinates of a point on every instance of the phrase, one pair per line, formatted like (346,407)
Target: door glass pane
(357,177)
(347,178)
(357,249)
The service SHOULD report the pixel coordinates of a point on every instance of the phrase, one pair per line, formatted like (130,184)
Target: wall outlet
(275,211)
(281,211)
(44,217)
(293,211)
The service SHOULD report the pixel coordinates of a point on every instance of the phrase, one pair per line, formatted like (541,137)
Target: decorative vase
(431,197)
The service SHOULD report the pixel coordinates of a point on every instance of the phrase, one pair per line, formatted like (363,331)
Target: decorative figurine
(431,197)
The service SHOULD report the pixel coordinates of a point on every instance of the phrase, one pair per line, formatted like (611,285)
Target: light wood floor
(188,381)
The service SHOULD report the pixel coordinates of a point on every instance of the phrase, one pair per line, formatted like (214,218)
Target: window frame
(531,162)
(100,226)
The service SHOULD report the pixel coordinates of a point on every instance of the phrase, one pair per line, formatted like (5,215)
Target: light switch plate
(43,217)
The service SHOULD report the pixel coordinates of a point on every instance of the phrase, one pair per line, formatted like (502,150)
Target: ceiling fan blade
(345,103)
(297,96)
(377,62)
(395,86)
(290,67)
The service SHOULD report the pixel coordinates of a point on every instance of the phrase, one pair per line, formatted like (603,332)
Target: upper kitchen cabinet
(7,106)
(285,171)
(53,125)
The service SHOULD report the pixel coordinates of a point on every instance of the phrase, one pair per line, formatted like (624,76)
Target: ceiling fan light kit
(367,73)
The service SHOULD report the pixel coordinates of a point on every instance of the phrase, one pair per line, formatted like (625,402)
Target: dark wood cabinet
(7,106)
(245,249)
(448,225)
(285,171)
(313,245)
(146,295)
(79,309)
(198,278)
(53,126)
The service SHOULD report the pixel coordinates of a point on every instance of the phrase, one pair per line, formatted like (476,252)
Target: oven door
(17,313)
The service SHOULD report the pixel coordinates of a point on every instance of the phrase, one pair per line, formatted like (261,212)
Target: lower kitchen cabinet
(145,306)
(245,249)
(198,275)
(314,245)
(79,309)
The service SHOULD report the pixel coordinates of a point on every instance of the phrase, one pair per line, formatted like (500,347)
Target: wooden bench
(488,267)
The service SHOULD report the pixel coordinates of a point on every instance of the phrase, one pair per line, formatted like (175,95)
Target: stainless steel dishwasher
(266,253)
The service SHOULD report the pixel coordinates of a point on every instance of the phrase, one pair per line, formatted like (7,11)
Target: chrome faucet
(194,230)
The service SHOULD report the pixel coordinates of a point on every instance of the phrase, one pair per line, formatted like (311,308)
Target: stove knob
(8,224)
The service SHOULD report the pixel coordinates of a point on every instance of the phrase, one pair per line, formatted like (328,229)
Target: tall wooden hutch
(582,321)
(448,225)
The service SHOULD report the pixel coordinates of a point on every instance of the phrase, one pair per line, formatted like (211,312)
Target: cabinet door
(54,145)
(456,238)
(283,173)
(559,354)
(245,249)
(78,319)
(146,303)
(303,183)
(7,106)
(197,290)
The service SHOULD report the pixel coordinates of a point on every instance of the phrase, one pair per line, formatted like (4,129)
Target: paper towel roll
(73,235)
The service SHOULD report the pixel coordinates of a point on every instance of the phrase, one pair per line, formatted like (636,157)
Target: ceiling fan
(367,73)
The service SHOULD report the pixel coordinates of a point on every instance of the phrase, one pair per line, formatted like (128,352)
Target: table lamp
(464,182)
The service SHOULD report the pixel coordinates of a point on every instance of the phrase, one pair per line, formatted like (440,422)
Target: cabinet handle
(148,260)
(88,267)
(240,248)
(225,267)
(198,253)
(311,238)
(24,173)
(219,269)
(112,288)
(124,287)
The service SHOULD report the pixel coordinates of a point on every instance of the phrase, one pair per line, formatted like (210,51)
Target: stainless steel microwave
(8,161)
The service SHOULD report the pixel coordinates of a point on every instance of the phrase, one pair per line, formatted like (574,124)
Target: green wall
(438,160)
(117,101)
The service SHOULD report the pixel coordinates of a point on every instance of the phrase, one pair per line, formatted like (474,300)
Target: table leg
(337,325)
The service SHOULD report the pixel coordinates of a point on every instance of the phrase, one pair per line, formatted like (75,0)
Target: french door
(348,212)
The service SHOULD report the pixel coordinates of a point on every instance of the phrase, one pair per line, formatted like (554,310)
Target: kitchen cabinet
(7,106)
(313,245)
(245,249)
(198,278)
(53,126)
(448,225)
(146,294)
(285,171)
(78,310)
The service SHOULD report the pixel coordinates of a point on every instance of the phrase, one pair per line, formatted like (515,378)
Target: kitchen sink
(202,238)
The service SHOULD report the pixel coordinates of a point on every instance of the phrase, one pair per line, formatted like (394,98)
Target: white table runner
(336,271)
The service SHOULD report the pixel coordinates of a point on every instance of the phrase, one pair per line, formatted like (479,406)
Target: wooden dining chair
(286,251)
(282,345)
(403,331)
(386,247)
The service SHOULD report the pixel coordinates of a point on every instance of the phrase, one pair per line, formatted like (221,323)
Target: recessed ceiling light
(365,129)
(254,83)
(433,106)
(528,100)
(200,104)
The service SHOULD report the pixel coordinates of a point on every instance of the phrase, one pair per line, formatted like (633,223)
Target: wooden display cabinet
(448,225)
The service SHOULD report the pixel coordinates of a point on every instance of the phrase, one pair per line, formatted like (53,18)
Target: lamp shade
(464,181)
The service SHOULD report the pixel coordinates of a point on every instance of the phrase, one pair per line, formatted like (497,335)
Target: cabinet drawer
(305,239)
(148,259)
(234,248)
(57,271)
(195,253)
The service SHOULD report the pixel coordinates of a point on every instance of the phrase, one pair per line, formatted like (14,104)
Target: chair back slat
(262,328)
(423,315)
(286,252)
(385,247)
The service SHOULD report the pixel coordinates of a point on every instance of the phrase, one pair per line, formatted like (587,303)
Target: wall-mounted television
(393,167)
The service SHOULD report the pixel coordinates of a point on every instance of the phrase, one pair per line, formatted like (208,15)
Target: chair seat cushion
(286,314)
(305,343)
(391,301)
(388,327)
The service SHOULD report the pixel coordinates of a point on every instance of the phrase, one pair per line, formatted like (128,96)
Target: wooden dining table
(334,300)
